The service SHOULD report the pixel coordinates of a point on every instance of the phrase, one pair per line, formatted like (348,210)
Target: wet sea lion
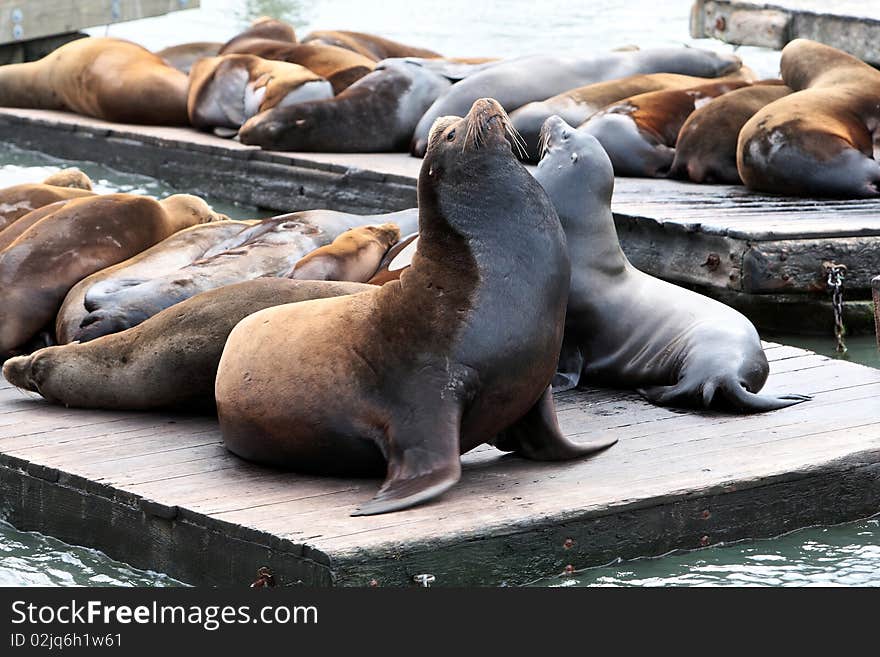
(406,377)
(226,91)
(353,256)
(168,361)
(18,200)
(180,249)
(83,236)
(639,133)
(369,45)
(106,78)
(397,260)
(516,82)
(264,27)
(272,247)
(705,151)
(577,105)
(626,329)
(822,140)
(339,66)
(183,56)
(377,113)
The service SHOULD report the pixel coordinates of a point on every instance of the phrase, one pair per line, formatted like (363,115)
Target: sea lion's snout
(17,371)
(489,123)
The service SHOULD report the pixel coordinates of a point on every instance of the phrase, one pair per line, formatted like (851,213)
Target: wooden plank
(39,18)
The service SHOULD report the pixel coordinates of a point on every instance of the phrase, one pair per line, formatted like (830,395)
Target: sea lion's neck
(593,243)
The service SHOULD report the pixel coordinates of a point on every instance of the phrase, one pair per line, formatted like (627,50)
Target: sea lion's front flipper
(537,436)
(423,459)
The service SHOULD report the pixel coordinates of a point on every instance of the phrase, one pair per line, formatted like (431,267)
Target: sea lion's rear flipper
(726,393)
(537,436)
(569,368)
(735,397)
(423,460)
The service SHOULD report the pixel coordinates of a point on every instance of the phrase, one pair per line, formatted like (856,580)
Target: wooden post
(875,288)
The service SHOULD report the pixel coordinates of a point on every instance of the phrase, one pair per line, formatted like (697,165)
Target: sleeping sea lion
(18,200)
(353,256)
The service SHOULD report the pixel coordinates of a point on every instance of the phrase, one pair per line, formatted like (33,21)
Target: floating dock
(160,492)
(849,25)
(764,255)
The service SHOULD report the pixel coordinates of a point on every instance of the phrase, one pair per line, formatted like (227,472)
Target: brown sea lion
(263,27)
(18,200)
(406,377)
(168,361)
(822,140)
(271,247)
(83,236)
(19,226)
(639,133)
(369,45)
(180,249)
(183,56)
(577,105)
(705,151)
(226,91)
(105,78)
(339,66)
(353,256)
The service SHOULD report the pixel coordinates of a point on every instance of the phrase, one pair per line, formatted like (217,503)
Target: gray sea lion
(180,249)
(823,139)
(271,247)
(705,151)
(184,55)
(368,45)
(377,113)
(639,133)
(81,237)
(516,82)
(626,329)
(353,256)
(105,78)
(18,200)
(226,91)
(406,377)
(170,360)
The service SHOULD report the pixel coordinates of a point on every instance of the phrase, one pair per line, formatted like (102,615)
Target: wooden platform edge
(204,551)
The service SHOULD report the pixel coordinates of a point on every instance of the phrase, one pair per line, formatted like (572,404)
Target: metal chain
(836,276)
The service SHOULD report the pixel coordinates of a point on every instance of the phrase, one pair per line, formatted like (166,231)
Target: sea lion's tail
(740,400)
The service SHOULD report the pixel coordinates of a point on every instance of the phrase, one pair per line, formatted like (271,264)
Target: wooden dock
(850,25)
(756,252)
(160,492)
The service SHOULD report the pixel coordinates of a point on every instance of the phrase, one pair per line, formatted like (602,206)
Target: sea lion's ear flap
(439,127)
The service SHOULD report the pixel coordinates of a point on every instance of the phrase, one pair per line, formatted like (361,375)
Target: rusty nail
(568,544)
(713,260)
(706,514)
(704,541)
(569,569)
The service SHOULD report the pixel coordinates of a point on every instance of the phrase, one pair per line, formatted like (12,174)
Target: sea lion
(183,56)
(168,361)
(18,200)
(368,45)
(83,236)
(626,329)
(577,105)
(180,249)
(822,140)
(705,151)
(378,113)
(264,27)
(639,133)
(406,377)
(272,247)
(106,78)
(12,232)
(226,91)
(353,256)
(516,82)
(339,66)
(397,260)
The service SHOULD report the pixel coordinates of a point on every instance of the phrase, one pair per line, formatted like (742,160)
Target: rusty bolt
(720,23)
(713,261)
(568,544)
(704,541)
(706,515)
(569,569)
(374,583)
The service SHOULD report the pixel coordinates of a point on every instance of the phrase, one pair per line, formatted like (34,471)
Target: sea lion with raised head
(353,256)
(18,200)
(515,82)
(271,247)
(626,329)
(406,377)
(377,113)
(83,236)
(179,250)
(168,361)
(823,139)
(226,91)
(264,27)
(369,45)
(106,78)
(639,133)
(705,151)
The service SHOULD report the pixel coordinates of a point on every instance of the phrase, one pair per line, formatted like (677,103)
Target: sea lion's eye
(564,136)
(451,135)
(574,157)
